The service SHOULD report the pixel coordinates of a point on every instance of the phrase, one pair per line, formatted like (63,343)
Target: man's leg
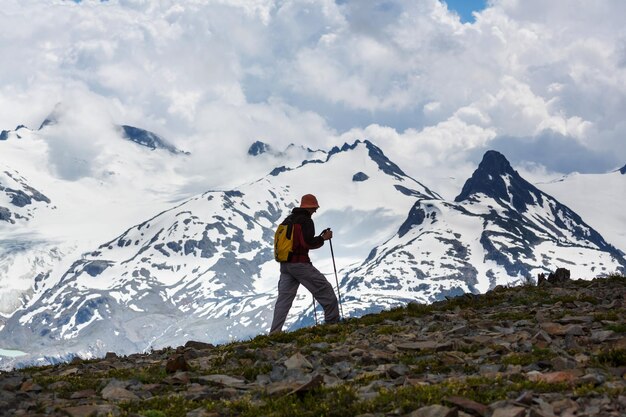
(314,281)
(287,290)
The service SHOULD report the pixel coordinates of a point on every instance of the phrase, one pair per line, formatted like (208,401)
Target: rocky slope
(557,349)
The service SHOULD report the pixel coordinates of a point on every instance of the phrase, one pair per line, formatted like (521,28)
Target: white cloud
(219,74)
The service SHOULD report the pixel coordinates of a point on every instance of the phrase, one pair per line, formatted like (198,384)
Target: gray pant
(291,276)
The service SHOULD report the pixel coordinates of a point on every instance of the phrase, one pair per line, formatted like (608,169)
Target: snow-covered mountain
(204,269)
(18,200)
(48,220)
(148,139)
(499,230)
(599,198)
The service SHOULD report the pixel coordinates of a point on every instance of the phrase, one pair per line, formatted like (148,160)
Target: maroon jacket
(303,235)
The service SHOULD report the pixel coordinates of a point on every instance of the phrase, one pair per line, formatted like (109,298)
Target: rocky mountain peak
(54,116)
(146,138)
(258,148)
(495,178)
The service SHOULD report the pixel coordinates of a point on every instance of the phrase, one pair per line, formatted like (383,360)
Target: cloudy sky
(434,85)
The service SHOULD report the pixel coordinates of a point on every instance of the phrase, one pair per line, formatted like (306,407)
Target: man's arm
(308,234)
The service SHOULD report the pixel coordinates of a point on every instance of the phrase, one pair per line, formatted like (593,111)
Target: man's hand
(327,234)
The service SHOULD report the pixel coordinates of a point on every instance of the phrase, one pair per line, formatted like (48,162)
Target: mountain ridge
(192,261)
(209,257)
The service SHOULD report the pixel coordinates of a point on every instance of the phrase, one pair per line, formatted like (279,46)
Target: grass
(163,406)
(612,357)
(514,315)
(525,359)
(94,379)
(617,328)
(344,400)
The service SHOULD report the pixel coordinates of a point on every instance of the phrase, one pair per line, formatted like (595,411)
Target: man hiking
(298,269)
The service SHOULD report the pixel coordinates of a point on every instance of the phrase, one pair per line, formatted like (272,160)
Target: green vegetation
(163,406)
(524,359)
(612,357)
(617,328)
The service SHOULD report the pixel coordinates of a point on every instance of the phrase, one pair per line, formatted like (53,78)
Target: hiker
(298,269)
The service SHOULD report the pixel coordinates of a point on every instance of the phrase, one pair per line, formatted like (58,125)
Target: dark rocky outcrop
(258,148)
(360,177)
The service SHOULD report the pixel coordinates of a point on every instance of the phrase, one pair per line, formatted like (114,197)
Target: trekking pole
(332,254)
(314,311)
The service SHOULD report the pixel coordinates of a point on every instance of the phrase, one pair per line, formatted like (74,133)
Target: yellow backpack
(283,242)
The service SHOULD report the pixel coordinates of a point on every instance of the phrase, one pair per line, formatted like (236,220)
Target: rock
(469,406)
(525,398)
(83,394)
(223,380)
(397,371)
(377,357)
(560,276)
(594,379)
(315,382)
(560,363)
(263,379)
(103,410)
(190,354)
(570,343)
(110,356)
(179,378)
(12,383)
(434,411)
(553,329)
(342,369)
(278,373)
(559,406)
(600,336)
(332,381)
(574,330)
(371,390)
(509,411)
(576,320)
(197,392)
(199,345)
(176,363)
(228,393)
(298,361)
(552,377)
(490,369)
(320,346)
(114,393)
(30,386)
(542,336)
(534,412)
(357,352)
(619,372)
(280,388)
(541,279)
(6,398)
(59,385)
(425,345)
